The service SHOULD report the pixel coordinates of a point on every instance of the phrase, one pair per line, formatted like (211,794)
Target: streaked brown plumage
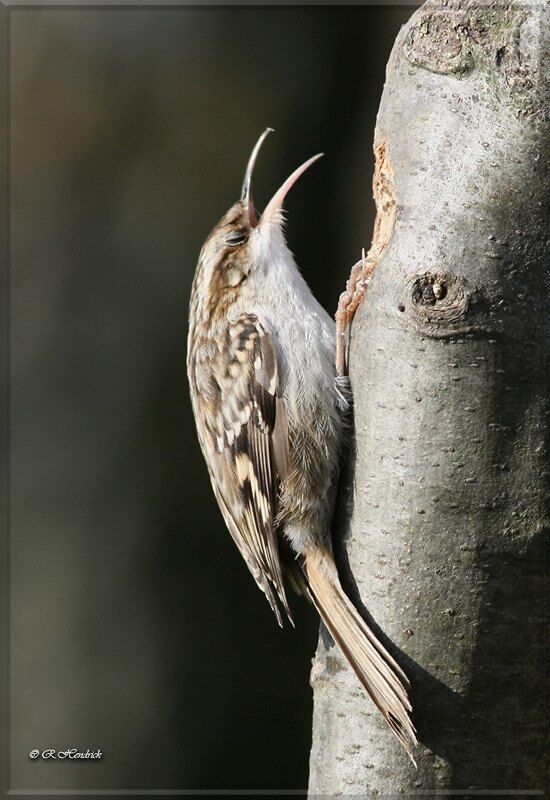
(270,413)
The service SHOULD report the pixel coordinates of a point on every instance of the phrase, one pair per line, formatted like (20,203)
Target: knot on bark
(436,43)
(440,303)
(502,41)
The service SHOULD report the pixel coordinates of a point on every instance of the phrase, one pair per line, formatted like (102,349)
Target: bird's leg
(348,304)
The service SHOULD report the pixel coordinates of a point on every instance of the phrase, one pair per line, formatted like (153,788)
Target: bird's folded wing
(248,432)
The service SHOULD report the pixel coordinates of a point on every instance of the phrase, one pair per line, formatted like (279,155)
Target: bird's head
(243,241)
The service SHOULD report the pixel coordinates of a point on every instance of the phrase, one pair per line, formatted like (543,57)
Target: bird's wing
(248,435)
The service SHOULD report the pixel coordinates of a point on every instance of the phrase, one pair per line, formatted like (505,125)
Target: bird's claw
(349,302)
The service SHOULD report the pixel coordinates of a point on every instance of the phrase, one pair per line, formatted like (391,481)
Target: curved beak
(246,193)
(276,202)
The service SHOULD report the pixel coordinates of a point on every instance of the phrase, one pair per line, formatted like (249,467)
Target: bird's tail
(382,677)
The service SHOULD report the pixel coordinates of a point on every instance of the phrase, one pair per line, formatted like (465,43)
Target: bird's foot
(349,302)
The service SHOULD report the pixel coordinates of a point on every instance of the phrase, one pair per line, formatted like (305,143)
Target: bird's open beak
(276,202)
(246,193)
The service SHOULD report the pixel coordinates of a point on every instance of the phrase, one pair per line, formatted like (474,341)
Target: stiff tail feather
(379,673)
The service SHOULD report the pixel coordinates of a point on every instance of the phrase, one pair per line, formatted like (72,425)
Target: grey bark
(441,526)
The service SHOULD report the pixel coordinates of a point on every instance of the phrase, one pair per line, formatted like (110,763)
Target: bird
(271,414)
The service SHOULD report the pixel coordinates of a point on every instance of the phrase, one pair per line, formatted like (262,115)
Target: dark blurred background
(135,626)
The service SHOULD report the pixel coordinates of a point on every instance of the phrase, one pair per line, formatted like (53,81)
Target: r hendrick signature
(72,753)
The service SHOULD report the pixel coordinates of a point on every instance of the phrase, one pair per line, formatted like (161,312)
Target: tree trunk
(440,528)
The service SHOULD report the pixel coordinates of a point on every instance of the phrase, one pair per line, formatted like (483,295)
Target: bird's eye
(235,238)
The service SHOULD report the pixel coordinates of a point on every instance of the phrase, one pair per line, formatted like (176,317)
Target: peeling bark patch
(361,273)
(383,188)
(442,304)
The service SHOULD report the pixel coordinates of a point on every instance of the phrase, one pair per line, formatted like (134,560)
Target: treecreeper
(270,402)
